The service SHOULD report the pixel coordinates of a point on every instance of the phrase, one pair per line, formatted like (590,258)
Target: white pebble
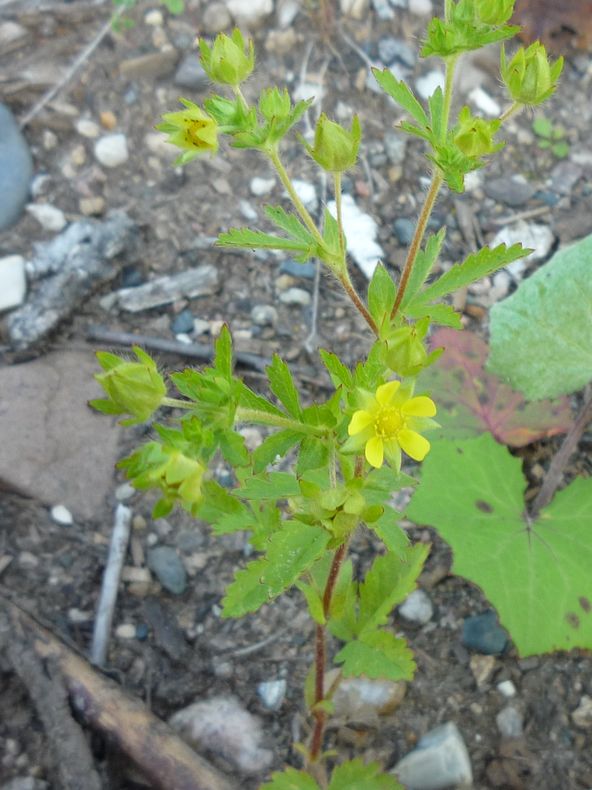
(484,102)
(261,186)
(61,515)
(507,689)
(307,194)
(125,631)
(417,607)
(427,84)
(88,128)
(49,217)
(13,282)
(360,232)
(510,722)
(420,7)
(124,491)
(296,296)
(154,18)
(111,150)
(272,693)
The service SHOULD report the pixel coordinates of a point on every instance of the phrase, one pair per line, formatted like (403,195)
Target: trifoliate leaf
(472,401)
(402,94)
(377,654)
(540,335)
(291,550)
(283,387)
(291,779)
(355,775)
(535,573)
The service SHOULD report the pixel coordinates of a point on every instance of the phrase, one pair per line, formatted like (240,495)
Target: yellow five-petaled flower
(390,422)
(191,129)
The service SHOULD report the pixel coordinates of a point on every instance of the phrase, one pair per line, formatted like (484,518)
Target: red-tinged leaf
(472,401)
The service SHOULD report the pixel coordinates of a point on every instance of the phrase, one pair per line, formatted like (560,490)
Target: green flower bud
(530,77)
(474,136)
(335,149)
(135,388)
(406,353)
(494,12)
(191,129)
(228,61)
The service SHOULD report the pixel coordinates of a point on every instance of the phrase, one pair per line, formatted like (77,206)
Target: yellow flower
(390,422)
(191,129)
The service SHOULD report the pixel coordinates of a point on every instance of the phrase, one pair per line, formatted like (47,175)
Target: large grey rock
(54,447)
(16,169)
(440,760)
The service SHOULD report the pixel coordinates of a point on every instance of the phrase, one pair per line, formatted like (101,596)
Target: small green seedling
(550,137)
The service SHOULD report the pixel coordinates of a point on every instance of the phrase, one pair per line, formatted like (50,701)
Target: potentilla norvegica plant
(348,449)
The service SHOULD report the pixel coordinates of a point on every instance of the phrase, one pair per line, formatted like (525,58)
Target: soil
(57,570)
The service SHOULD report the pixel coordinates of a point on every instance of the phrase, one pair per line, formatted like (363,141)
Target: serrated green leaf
(423,265)
(436,105)
(540,335)
(256,239)
(331,232)
(402,94)
(251,400)
(355,775)
(273,446)
(476,266)
(290,224)
(381,295)
(388,530)
(283,387)
(339,373)
(223,353)
(291,779)
(443,314)
(537,575)
(273,485)
(313,454)
(314,601)
(377,654)
(291,550)
(388,582)
(232,446)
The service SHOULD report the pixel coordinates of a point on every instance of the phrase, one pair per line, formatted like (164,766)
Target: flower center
(388,422)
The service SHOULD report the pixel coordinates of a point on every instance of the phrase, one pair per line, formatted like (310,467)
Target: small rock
(364,699)
(61,515)
(16,169)
(287,11)
(484,102)
(153,65)
(92,206)
(420,7)
(395,146)
(417,607)
(27,560)
(216,18)
(125,631)
(440,760)
(383,10)
(25,783)
(427,84)
(510,722)
(88,128)
(154,18)
(247,210)
(538,237)
(261,186)
(500,288)
(201,327)
(272,693)
(49,217)
(361,232)
(481,667)
(514,191)
(250,13)
(12,36)
(77,616)
(108,120)
(306,271)
(307,194)
(124,492)
(483,634)
(223,726)
(170,571)
(201,281)
(565,176)
(264,315)
(582,715)
(280,42)
(507,689)
(404,229)
(49,139)
(296,296)
(190,74)
(13,282)
(283,282)
(355,9)
(111,150)
(391,49)
(183,322)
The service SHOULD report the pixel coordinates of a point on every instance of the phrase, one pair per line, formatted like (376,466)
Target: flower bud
(335,149)
(406,353)
(474,136)
(530,77)
(135,388)
(228,61)
(494,12)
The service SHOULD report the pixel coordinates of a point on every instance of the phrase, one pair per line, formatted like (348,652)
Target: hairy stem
(356,299)
(177,403)
(422,222)
(448,82)
(278,421)
(337,189)
(561,458)
(511,110)
(239,95)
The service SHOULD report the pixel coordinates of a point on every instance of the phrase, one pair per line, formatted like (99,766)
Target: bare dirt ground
(183,650)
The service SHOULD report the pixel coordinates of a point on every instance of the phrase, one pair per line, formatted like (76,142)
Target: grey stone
(216,17)
(565,176)
(264,315)
(54,447)
(111,150)
(183,322)
(404,229)
(539,238)
(201,281)
(166,564)
(190,74)
(391,49)
(482,633)
(272,693)
(440,760)
(24,783)
(250,13)
(13,282)
(49,217)
(61,515)
(515,191)
(510,722)
(582,715)
(417,607)
(507,688)
(383,10)
(16,169)
(297,296)
(395,145)
(287,11)
(306,270)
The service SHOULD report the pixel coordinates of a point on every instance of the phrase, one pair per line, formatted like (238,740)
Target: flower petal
(421,406)
(386,392)
(359,421)
(415,445)
(375,451)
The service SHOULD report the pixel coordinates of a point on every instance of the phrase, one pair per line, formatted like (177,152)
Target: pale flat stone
(360,231)
(49,217)
(13,281)
(54,447)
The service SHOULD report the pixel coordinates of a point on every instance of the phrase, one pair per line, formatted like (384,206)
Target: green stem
(422,222)
(239,95)
(448,81)
(277,421)
(356,299)
(298,204)
(175,403)
(337,190)
(511,110)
